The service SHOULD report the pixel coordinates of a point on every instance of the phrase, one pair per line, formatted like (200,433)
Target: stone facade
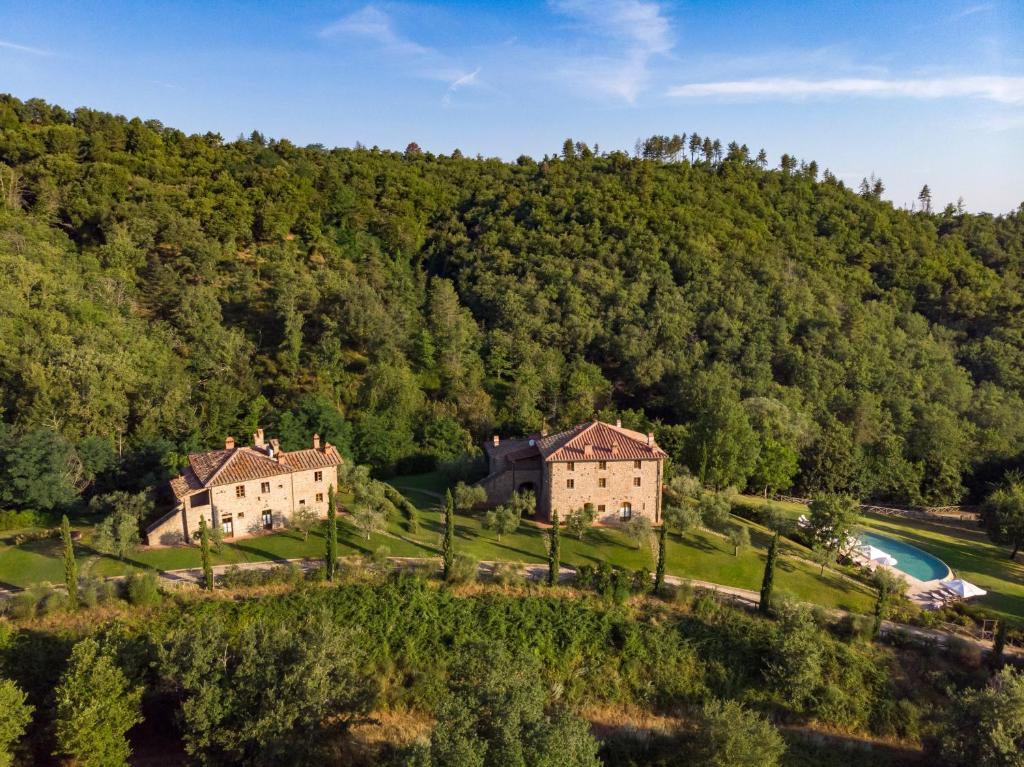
(247,494)
(617,470)
(609,485)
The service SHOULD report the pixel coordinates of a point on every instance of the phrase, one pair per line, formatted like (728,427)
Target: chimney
(615,448)
(229,443)
(496,440)
(316,441)
(275,450)
(618,422)
(650,439)
(544,432)
(257,439)
(588,450)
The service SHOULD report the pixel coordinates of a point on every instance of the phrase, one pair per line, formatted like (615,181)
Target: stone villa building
(247,489)
(617,470)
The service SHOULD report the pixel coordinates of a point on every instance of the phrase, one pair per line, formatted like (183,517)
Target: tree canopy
(775,328)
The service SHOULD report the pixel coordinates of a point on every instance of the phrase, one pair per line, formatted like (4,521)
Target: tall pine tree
(204,551)
(554,551)
(70,566)
(768,582)
(659,571)
(331,550)
(448,543)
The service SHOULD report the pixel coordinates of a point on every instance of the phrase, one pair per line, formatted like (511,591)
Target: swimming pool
(909,559)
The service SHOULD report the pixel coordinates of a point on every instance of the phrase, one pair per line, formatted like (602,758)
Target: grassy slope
(969,553)
(698,555)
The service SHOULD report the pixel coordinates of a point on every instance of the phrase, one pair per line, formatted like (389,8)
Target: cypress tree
(995,660)
(448,543)
(70,566)
(331,551)
(204,551)
(554,551)
(659,572)
(769,575)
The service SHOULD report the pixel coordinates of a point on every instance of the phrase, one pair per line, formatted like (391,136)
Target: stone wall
(502,485)
(619,488)
(281,495)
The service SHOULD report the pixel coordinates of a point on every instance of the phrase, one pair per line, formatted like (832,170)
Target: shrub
(55,602)
(706,607)
(964,652)
(603,578)
(508,574)
(897,719)
(316,574)
(108,592)
(89,592)
(15,520)
(621,586)
(464,569)
(142,589)
(26,604)
(642,583)
(683,594)
(856,628)
(410,514)
(732,736)
(379,557)
(585,577)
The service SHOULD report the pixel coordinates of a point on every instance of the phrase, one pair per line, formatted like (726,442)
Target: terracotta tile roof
(185,483)
(242,464)
(603,438)
(245,463)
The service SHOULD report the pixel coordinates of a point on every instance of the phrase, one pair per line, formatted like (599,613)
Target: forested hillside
(161,290)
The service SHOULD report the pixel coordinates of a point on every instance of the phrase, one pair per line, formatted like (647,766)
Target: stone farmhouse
(245,490)
(617,470)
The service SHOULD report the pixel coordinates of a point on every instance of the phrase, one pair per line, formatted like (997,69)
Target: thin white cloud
(630,33)
(24,48)
(467,80)
(1002,90)
(971,10)
(372,23)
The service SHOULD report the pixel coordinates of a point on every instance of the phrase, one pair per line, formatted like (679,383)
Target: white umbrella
(963,589)
(877,555)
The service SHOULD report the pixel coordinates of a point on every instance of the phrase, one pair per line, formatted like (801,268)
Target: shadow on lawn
(501,545)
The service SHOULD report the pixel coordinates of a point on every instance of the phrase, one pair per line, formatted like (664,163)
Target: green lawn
(433,482)
(283,545)
(698,555)
(788,509)
(33,562)
(970,554)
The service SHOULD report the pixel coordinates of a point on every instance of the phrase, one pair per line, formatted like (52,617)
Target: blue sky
(915,92)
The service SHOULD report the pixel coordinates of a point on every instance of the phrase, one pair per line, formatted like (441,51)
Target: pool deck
(927,594)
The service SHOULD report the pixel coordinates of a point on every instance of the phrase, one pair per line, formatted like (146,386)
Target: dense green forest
(777,329)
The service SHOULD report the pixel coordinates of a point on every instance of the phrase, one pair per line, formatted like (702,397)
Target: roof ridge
(227,461)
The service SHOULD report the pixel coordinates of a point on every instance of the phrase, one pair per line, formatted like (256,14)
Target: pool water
(909,559)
